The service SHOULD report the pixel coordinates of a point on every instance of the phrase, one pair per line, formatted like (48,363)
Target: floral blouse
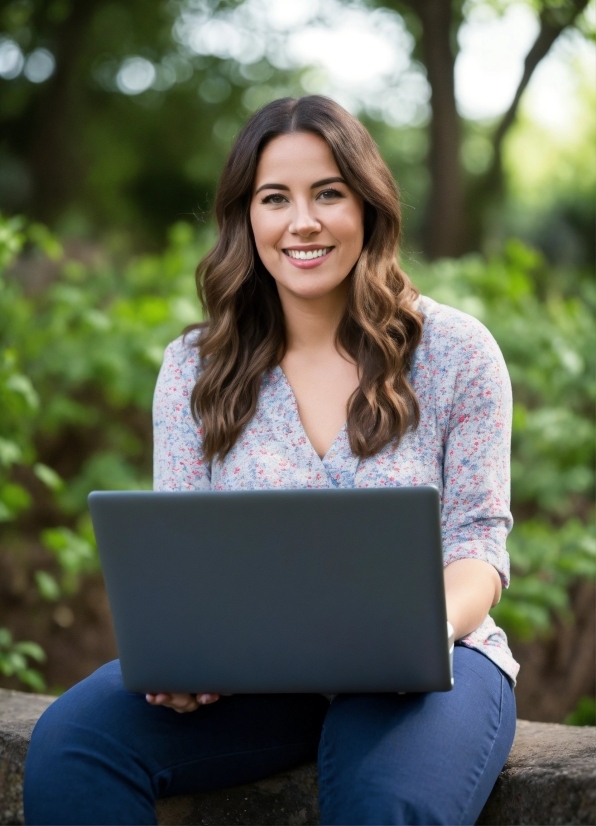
(462,445)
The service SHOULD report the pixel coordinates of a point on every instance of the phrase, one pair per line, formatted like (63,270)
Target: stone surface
(288,798)
(18,714)
(550,778)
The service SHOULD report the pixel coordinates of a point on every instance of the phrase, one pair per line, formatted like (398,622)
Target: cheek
(350,226)
(266,230)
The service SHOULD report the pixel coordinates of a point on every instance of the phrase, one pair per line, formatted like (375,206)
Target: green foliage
(544,324)
(75,556)
(13,660)
(584,713)
(78,363)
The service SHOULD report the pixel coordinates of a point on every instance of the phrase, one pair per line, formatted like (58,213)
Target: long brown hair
(245,332)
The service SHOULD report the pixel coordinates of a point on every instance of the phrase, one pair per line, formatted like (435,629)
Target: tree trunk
(455,219)
(46,135)
(445,222)
(55,153)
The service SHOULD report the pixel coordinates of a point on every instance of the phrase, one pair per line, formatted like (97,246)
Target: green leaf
(584,713)
(48,476)
(15,497)
(44,239)
(5,638)
(10,452)
(22,385)
(16,661)
(31,649)
(5,513)
(32,678)
(47,585)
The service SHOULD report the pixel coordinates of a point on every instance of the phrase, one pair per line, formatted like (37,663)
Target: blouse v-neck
(279,371)
(339,463)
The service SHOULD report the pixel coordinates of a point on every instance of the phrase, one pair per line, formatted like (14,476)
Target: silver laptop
(326,591)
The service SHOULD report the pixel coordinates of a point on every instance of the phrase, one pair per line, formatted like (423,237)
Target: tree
(451,226)
(90,153)
(76,147)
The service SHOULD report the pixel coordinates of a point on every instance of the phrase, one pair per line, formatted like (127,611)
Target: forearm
(472,587)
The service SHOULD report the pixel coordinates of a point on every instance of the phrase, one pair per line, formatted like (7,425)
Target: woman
(320,366)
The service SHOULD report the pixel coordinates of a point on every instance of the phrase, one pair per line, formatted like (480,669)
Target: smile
(307,255)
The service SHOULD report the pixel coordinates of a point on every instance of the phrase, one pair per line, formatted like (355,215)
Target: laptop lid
(326,591)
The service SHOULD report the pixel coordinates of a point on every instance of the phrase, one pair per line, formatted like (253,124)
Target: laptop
(328,591)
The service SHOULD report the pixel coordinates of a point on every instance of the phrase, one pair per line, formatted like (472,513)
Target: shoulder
(181,357)
(456,338)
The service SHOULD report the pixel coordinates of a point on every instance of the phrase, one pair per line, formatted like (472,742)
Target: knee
(84,764)
(47,743)
(68,721)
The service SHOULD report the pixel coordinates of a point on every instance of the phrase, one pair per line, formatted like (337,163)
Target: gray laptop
(326,591)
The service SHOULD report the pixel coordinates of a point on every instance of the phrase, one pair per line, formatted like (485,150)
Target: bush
(79,355)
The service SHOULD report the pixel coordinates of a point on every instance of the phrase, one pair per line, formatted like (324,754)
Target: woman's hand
(181,702)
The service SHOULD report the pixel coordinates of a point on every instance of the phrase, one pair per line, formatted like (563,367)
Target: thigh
(99,745)
(418,758)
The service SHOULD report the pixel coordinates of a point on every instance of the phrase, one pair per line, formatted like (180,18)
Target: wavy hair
(244,335)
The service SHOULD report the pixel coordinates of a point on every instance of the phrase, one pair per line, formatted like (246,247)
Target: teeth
(307,255)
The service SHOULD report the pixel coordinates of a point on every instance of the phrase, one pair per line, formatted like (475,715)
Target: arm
(177,455)
(472,587)
(476,516)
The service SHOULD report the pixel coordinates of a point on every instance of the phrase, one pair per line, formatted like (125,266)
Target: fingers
(206,699)
(181,703)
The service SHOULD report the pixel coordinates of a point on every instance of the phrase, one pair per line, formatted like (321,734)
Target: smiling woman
(303,222)
(309,237)
(322,206)
(320,366)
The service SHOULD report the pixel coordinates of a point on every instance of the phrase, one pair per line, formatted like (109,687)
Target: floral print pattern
(462,445)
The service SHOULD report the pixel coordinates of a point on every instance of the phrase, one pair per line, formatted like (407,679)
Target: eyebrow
(285,188)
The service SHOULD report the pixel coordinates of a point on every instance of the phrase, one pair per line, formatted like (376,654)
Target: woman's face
(308,224)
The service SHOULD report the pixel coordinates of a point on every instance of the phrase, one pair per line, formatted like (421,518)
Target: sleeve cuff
(483,550)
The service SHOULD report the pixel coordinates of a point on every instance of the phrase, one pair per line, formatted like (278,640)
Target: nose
(304,221)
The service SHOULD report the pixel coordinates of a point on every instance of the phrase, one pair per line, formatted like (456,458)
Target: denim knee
(78,740)
(419,758)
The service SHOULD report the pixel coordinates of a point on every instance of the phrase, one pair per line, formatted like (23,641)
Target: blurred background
(115,120)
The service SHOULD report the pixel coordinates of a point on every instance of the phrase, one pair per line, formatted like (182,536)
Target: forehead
(296,156)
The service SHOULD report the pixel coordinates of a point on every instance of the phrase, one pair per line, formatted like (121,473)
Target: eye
(275,198)
(329,194)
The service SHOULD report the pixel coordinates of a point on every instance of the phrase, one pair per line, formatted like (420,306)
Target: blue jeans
(101,755)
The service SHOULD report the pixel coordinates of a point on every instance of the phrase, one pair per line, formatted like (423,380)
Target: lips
(307,259)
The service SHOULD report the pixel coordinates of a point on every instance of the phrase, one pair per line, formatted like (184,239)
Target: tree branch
(550,29)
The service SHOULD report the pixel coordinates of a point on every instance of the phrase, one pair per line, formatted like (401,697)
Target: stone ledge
(549,778)
(18,714)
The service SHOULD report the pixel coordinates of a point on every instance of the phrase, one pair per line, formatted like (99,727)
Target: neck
(311,324)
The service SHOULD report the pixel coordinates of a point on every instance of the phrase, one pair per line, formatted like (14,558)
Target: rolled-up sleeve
(477,448)
(178,462)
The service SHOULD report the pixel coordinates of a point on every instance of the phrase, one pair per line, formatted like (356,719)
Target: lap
(230,741)
(427,758)
(418,758)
